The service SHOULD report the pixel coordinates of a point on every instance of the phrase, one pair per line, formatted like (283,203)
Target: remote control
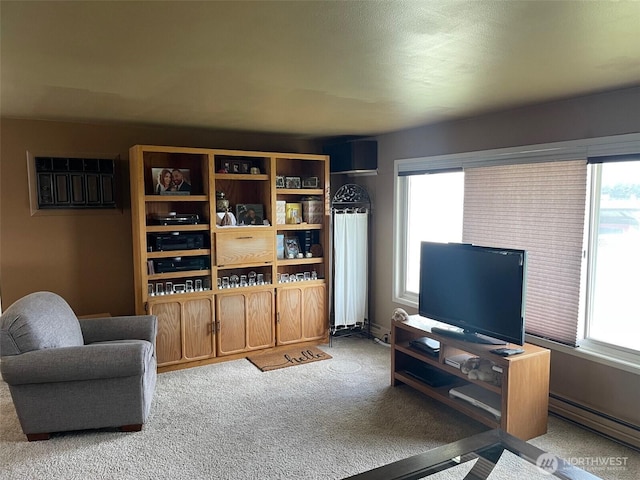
(505,352)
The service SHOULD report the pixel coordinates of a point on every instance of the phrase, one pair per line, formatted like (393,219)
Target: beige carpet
(324,420)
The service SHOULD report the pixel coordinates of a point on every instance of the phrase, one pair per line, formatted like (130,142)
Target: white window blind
(538,207)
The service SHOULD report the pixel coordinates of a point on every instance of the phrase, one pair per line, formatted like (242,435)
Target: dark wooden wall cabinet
(75,182)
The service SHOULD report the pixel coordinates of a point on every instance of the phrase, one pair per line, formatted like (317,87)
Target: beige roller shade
(538,207)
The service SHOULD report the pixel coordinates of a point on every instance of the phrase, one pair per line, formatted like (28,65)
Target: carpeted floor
(323,420)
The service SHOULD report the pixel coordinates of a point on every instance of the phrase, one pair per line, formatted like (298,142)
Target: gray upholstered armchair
(70,374)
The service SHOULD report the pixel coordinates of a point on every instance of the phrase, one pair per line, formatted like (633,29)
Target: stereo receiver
(180,264)
(175,241)
(173,218)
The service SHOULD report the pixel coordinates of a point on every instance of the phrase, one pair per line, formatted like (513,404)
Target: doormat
(287,358)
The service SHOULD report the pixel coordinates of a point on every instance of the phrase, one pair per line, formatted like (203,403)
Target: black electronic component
(175,241)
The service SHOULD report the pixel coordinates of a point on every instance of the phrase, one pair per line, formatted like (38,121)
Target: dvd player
(175,241)
(173,218)
(180,264)
(479,397)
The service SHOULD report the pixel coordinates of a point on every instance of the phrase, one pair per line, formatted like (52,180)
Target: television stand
(467,336)
(524,389)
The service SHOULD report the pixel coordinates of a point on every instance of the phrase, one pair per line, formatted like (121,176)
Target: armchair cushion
(86,362)
(40,320)
(141,327)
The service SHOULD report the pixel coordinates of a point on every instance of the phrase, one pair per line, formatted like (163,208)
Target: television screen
(480,290)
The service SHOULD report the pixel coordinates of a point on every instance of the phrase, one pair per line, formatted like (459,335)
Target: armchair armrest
(85,362)
(138,327)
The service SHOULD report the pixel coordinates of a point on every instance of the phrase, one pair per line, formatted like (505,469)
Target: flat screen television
(479,291)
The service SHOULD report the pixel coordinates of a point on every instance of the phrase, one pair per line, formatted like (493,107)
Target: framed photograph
(249,214)
(245,167)
(292,182)
(171,181)
(225,166)
(291,247)
(279,181)
(310,182)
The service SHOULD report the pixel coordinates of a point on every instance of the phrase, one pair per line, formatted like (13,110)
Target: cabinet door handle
(243,238)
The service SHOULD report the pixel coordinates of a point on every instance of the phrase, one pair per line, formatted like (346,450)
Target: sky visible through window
(615,317)
(435,214)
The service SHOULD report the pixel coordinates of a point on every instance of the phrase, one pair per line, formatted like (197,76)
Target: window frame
(598,347)
(401,197)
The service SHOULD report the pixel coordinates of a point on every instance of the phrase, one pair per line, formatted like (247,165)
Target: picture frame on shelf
(225,166)
(245,167)
(292,182)
(310,182)
(236,167)
(280,181)
(171,181)
(250,214)
(291,247)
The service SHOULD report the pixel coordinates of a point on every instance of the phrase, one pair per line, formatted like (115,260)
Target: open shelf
(178,228)
(179,253)
(186,273)
(299,226)
(524,385)
(176,198)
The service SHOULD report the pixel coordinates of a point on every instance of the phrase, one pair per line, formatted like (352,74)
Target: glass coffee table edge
(441,458)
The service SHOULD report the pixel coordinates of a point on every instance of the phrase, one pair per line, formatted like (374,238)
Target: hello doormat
(287,358)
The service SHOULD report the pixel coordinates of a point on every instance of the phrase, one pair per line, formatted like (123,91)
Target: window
(613,316)
(434,206)
(582,243)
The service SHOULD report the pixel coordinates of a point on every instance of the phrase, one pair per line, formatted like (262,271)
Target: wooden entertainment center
(524,389)
(220,289)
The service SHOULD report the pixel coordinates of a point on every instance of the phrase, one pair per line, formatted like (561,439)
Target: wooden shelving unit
(214,323)
(524,390)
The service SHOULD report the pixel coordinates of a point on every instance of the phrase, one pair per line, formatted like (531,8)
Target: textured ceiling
(309,68)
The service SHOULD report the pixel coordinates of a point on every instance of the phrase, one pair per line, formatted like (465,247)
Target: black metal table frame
(487,447)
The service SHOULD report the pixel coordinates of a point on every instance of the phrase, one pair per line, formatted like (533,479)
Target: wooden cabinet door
(199,339)
(168,339)
(289,322)
(302,314)
(260,328)
(314,312)
(231,333)
(245,321)
(185,329)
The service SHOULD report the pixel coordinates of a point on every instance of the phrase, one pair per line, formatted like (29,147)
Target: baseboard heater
(602,423)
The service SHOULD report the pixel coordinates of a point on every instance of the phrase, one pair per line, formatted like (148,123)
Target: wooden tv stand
(525,377)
